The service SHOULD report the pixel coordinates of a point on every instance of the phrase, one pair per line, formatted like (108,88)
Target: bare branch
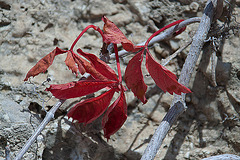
(223,157)
(49,116)
(164,62)
(178,105)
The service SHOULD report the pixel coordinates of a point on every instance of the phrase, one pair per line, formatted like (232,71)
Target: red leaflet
(115,117)
(134,77)
(44,63)
(164,79)
(90,109)
(73,64)
(78,89)
(89,68)
(113,34)
(99,65)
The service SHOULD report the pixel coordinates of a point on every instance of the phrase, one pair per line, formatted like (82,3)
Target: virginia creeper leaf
(71,63)
(89,68)
(114,35)
(81,69)
(134,77)
(164,79)
(90,109)
(115,116)
(78,88)
(43,64)
(99,65)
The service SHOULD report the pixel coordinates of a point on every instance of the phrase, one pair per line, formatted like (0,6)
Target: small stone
(40,138)
(191,146)
(194,6)
(166,100)
(158,49)
(174,45)
(157,116)
(21,27)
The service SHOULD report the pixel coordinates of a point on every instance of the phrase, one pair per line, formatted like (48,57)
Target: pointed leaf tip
(70,62)
(164,79)
(43,64)
(115,116)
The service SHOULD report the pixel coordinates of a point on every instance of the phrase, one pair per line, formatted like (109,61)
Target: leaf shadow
(135,102)
(76,141)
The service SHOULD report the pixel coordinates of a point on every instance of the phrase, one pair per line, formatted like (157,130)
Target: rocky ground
(31,29)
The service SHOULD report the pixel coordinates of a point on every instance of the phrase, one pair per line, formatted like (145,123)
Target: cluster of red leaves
(102,76)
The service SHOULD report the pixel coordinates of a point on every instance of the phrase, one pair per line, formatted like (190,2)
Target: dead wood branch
(49,116)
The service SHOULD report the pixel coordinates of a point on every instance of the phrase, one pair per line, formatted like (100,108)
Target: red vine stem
(164,28)
(118,63)
(80,35)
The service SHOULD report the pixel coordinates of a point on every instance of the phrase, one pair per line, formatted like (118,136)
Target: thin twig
(164,62)
(223,157)
(163,36)
(49,116)
(178,106)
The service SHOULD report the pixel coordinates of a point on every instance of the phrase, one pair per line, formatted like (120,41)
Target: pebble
(174,45)
(194,6)
(157,116)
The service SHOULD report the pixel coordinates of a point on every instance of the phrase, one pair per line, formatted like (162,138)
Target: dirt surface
(31,29)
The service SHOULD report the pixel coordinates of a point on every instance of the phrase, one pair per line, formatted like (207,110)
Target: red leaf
(99,65)
(164,79)
(71,63)
(90,69)
(112,34)
(44,63)
(115,116)
(134,77)
(78,89)
(90,109)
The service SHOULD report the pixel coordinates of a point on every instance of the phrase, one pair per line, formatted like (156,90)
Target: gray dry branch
(212,10)
(223,157)
(49,117)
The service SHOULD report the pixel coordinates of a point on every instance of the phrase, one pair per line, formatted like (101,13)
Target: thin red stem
(80,35)
(162,29)
(118,63)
